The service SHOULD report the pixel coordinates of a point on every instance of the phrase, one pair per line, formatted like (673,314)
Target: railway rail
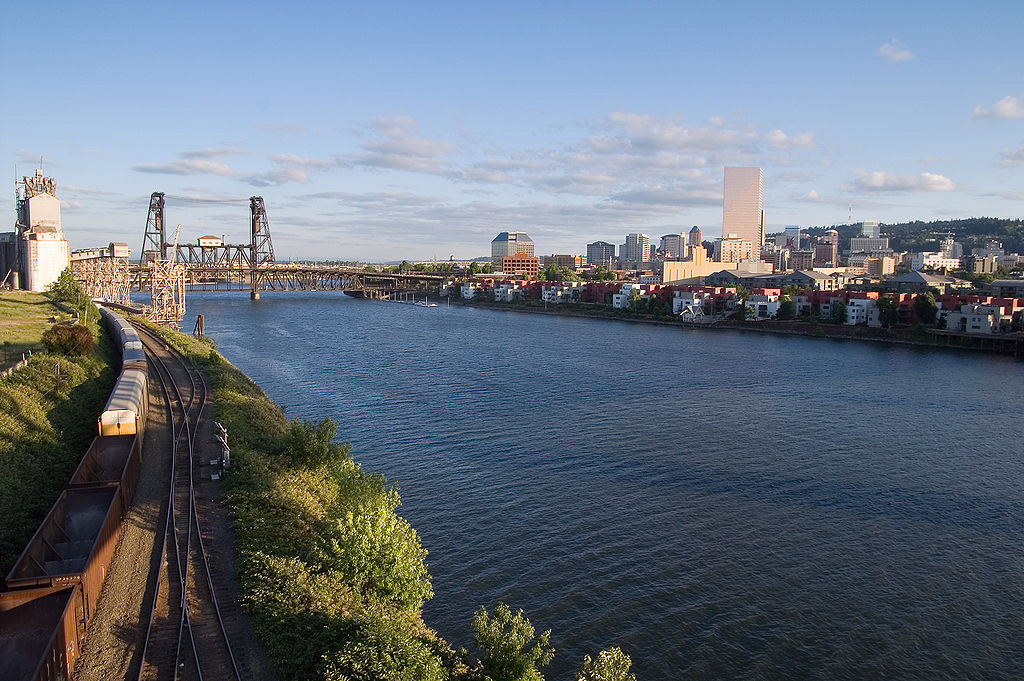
(187,637)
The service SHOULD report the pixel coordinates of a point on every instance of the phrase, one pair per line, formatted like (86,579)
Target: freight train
(51,592)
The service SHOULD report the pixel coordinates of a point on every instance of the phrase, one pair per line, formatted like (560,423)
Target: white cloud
(895,51)
(188,166)
(1007,107)
(780,140)
(398,148)
(1012,157)
(880,181)
(812,196)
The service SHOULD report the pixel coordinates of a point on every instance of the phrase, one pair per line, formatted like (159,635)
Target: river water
(721,505)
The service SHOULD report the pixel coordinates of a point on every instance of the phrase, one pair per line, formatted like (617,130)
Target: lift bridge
(167,269)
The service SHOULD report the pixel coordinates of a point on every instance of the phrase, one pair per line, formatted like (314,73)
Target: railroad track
(187,637)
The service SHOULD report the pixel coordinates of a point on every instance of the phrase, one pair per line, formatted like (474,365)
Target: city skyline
(401,131)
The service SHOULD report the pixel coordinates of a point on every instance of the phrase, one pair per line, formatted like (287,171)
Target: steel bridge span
(273,277)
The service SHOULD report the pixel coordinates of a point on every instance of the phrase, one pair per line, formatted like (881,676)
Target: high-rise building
(826,254)
(601,253)
(694,238)
(509,243)
(673,245)
(636,250)
(732,248)
(870,229)
(742,204)
(793,232)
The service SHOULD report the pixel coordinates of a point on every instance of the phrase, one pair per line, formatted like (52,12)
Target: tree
(838,315)
(786,308)
(609,665)
(65,289)
(505,641)
(311,443)
(888,311)
(742,292)
(474,267)
(925,308)
(68,340)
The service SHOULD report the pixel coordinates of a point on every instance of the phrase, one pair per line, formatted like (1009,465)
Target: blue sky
(390,130)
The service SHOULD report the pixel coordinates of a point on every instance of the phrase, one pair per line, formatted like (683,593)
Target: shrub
(69,340)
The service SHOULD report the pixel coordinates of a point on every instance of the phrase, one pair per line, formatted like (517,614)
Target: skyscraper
(509,243)
(742,206)
(601,253)
(637,249)
(694,239)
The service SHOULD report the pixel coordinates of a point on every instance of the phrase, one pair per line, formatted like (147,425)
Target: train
(50,594)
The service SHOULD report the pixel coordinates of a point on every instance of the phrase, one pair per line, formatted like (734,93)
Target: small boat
(424,303)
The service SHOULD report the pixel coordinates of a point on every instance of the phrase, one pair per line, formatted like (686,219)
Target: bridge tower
(261,249)
(154,243)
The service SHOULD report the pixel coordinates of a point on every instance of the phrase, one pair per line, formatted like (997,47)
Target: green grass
(24,316)
(48,412)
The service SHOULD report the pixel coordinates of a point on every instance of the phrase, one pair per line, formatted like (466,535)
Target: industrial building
(36,252)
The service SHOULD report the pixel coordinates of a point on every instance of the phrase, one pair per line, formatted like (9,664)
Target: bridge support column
(254,294)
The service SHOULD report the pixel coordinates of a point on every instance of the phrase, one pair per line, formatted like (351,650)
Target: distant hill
(919,236)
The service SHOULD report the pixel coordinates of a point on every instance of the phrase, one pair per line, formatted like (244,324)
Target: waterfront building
(509,243)
(742,204)
(520,264)
(601,253)
(36,252)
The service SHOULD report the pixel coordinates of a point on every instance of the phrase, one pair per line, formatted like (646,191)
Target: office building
(742,205)
(732,248)
(601,253)
(673,245)
(866,244)
(636,250)
(870,229)
(509,243)
(520,265)
(694,237)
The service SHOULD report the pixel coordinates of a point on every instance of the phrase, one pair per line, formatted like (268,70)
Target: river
(722,505)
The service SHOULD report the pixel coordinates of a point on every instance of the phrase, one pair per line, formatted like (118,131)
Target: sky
(381,131)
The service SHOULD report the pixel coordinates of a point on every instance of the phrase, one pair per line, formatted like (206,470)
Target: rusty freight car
(73,545)
(41,633)
(111,461)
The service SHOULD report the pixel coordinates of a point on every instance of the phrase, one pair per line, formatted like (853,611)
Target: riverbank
(1001,344)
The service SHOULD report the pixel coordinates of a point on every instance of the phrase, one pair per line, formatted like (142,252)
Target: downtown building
(743,205)
(601,253)
(635,252)
(509,244)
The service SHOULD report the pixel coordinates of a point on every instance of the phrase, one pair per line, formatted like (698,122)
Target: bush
(69,340)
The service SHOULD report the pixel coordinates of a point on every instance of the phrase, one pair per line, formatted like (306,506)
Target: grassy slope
(333,579)
(48,413)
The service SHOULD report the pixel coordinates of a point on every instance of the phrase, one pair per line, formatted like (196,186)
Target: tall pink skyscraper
(743,213)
